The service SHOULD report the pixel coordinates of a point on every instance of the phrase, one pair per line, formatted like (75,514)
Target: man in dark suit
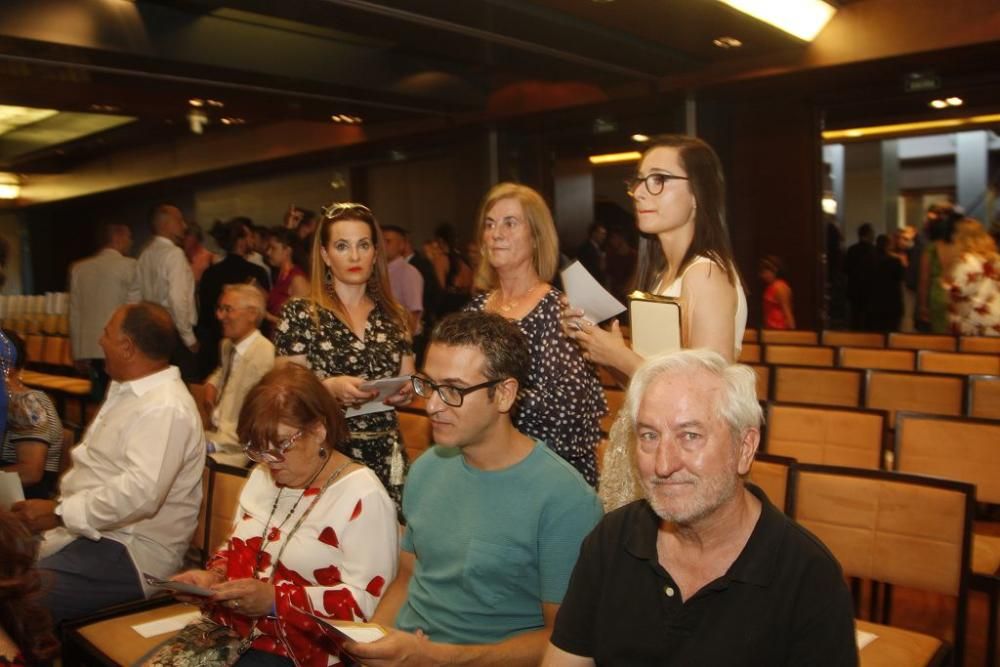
(591,253)
(432,295)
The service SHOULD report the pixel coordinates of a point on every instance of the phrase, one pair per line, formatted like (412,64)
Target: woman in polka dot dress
(563,401)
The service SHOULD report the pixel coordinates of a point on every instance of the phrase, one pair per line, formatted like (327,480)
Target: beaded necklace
(298,524)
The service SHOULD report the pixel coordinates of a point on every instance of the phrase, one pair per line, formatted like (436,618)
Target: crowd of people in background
(943,278)
(474,551)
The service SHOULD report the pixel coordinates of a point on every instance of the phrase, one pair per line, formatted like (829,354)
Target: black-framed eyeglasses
(340,209)
(655,182)
(271,453)
(450,394)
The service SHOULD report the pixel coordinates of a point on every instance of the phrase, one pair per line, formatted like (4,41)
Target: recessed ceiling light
(215,103)
(939,104)
(106,108)
(611,158)
(344,118)
(727,42)
(955,101)
(802,18)
(196,102)
(233,121)
(641,138)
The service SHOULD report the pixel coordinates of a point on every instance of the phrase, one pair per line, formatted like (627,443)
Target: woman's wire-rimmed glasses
(655,182)
(450,394)
(271,453)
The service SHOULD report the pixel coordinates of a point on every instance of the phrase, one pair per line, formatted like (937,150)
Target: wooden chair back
(849,437)
(789,337)
(773,474)
(34,348)
(870,357)
(817,386)
(415,427)
(915,341)
(979,344)
(227,484)
(749,353)
(763,374)
(953,448)
(798,355)
(929,361)
(984,396)
(751,336)
(852,339)
(914,392)
(899,529)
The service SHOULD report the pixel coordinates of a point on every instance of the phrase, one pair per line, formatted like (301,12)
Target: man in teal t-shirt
(494,518)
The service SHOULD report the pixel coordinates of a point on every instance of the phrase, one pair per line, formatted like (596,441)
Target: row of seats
(925,361)
(895,340)
(45,323)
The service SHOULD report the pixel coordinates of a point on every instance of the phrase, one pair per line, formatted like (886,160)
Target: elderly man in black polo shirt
(704,570)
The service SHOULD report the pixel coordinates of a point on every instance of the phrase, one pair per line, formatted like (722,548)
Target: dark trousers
(87,576)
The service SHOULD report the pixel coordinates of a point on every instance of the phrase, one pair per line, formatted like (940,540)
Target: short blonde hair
(545,257)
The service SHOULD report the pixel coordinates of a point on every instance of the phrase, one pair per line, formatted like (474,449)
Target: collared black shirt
(782,602)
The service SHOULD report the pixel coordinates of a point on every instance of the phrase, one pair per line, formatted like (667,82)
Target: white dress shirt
(253,358)
(98,285)
(165,277)
(136,476)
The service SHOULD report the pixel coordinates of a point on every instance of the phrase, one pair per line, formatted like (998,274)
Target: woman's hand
(250,597)
(347,390)
(571,319)
(200,578)
(401,397)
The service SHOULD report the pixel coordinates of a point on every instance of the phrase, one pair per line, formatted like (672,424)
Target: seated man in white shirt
(246,357)
(130,502)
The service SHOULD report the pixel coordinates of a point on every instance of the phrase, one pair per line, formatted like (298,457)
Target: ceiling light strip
(611,158)
(802,18)
(856,132)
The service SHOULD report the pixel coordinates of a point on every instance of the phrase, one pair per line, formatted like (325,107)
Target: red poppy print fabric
(335,565)
(974,296)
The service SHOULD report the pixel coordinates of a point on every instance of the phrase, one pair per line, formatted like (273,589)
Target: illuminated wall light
(829,205)
(10,186)
(801,18)
(232,121)
(611,158)
(831,135)
(955,101)
(215,103)
(196,102)
(641,138)
(939,104)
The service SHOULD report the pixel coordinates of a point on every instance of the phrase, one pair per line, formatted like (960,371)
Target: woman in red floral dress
(316,532)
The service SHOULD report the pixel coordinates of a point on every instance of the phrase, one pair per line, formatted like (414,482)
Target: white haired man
(246,356)
(703,570)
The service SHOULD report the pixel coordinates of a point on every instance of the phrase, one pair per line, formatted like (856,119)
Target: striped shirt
(32,416)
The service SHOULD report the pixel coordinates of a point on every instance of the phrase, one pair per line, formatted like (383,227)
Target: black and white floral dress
(563,402)
(332,349)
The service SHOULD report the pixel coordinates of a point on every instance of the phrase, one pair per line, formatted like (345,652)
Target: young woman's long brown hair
(321,287)
(711,236)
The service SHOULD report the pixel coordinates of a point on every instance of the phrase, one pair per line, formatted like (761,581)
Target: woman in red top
(777,295)
(291,280)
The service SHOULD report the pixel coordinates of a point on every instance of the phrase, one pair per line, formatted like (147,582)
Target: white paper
(587,294)
(359,632)
(863,638)
(385,387)
(11,490)
(165,625)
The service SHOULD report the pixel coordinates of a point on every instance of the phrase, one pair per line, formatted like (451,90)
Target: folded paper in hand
(341,631)
(585,293)
(656,324)
(385,387)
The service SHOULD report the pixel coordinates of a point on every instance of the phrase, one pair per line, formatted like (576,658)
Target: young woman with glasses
(316,532)
(349,331)
(684,252)
(562,402)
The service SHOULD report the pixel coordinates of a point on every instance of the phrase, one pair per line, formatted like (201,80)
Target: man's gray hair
(250,297)
(737,406)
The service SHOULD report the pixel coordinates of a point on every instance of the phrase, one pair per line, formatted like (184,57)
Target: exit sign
(918,82)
